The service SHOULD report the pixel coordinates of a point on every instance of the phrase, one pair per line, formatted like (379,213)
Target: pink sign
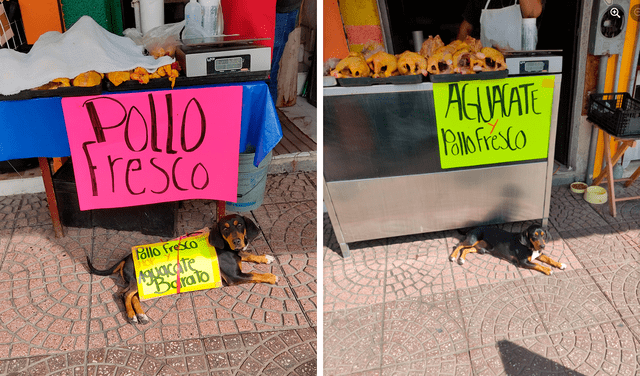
(149,147)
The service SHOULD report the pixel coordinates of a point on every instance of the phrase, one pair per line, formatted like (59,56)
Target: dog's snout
(237,242)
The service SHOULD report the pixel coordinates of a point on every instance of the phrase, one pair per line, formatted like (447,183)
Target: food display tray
(71,91)
(328,81)
(455,77)
(368,81)
(164,83)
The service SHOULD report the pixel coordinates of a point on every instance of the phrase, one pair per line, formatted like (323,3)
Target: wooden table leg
(51,197)
(609,172)
(220,209)
(632,178)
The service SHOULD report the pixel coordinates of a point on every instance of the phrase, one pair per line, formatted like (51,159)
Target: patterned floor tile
(420,243)
(248,307)
(569,211)
(34,251)
(353,340)
(500,311)
(626,211)
(568,301)
(171,317)
(608,348)
(289,188)
(43,313)
(289,227)
(416,331)
(454,364)
(301,272)
(5,237)
(599,246)
(193,215)
(355,281)
(114,361)
(33,211)
(286,352)
(418,268)
(621,285)
(534,355)
(9,206)
(629,231)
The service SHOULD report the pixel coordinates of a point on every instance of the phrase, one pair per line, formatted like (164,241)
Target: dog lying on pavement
(518,248)
(230,237)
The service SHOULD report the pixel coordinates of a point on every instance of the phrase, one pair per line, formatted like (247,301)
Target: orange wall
(334,40)
(40,16)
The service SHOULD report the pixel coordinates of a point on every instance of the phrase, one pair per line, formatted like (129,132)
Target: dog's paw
(460,261)
(563,266)
(133,320)
(451,258)
(270,259)
(143,319)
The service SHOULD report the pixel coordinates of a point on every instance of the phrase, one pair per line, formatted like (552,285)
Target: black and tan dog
(518,248)
(230,236)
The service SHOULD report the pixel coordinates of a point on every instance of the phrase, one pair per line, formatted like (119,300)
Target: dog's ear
(215,238)
(524,238)
(252,230)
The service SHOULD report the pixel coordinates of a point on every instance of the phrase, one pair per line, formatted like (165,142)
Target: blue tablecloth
(35,127)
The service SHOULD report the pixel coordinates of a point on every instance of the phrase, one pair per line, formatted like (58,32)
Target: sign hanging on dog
(493,121)
(148,147)
(179,265)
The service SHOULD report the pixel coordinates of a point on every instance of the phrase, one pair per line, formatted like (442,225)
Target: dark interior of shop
(556,31)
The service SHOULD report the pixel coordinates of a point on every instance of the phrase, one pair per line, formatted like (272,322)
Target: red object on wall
(251,19)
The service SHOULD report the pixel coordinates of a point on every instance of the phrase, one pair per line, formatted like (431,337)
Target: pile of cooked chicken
(93,78)
(464,57)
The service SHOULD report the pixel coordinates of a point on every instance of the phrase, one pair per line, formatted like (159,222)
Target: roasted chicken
(430,46)
(383,64)
(353,65)
(440,63)
(411,63)
(117,78)
(494,59)
(88,79)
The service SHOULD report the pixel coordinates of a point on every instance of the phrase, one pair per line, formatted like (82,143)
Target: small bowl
(578,187)
(595,195)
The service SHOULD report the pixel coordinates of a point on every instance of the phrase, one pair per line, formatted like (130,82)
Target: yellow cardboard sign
(493,121)
(191,258)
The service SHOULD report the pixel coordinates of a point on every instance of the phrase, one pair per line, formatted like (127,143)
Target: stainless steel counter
(382,173)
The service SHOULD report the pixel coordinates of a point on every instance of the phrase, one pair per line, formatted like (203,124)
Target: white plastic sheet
(85,46)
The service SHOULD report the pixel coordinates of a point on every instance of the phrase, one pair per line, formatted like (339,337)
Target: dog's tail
(105,272)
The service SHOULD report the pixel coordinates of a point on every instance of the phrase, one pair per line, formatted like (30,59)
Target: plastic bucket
(252,182)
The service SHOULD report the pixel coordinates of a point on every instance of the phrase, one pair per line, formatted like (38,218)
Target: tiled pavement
(399,307)
(57,319)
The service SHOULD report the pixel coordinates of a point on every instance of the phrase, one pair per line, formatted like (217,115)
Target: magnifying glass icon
(615,12)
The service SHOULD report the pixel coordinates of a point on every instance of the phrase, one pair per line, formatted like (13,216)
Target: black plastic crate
(156,219)
(616,113)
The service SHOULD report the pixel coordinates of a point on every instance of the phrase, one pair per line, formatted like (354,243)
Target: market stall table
(36,128)
(395,165)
